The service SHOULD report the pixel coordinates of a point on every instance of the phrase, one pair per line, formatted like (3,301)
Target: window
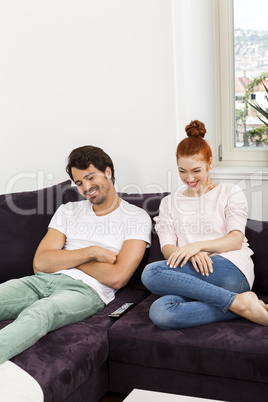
(243,67)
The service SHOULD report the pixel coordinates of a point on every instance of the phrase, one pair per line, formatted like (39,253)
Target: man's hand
(104,255)
(118,273)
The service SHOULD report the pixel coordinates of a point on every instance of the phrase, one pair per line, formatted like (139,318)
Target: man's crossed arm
(102,264)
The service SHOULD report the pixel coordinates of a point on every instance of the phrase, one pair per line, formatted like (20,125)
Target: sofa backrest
(257,235)
(24,218)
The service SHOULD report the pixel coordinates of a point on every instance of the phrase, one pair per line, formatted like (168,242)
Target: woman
(208,271)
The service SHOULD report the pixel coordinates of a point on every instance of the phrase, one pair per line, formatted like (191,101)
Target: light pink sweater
(183,220)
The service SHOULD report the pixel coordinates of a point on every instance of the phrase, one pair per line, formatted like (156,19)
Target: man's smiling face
(93,184)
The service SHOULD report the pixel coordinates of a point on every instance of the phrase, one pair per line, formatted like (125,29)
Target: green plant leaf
(266,89)
(264,122)
(260,110)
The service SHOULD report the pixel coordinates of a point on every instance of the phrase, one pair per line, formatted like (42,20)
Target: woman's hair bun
(196,128)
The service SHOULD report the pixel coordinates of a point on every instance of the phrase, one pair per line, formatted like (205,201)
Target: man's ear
(108,172)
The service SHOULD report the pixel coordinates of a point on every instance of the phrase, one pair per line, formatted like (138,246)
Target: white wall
(76,72)
(195,63)
(125,75)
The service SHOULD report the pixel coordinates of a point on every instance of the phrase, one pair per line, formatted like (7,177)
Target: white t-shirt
(83,228)
(183,220)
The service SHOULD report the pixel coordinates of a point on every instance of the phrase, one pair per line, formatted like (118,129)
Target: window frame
(227,153)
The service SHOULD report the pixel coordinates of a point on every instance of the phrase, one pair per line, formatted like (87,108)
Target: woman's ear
(210,163)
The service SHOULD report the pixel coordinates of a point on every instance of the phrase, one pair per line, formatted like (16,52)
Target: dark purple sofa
(227,361)
(81,362)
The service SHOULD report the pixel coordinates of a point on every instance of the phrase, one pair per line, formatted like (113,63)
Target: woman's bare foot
(249,306)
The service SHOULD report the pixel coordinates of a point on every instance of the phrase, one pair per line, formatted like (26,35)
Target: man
(91,249)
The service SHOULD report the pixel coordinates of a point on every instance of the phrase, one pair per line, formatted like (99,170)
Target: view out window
(250,25)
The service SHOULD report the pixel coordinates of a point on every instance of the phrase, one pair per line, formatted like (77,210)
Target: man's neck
(109,205)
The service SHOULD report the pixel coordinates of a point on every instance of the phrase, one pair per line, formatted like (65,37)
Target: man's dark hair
(82,157)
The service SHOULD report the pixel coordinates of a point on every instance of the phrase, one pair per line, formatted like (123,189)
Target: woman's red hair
(194,143)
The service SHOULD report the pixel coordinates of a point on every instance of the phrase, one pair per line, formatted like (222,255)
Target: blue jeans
(190,299)
(39,304)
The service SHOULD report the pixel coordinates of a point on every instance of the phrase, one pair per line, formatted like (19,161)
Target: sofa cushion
(257,235)
(24,218)
(63,360)
(229,349)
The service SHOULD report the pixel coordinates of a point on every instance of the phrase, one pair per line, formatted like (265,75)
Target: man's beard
(99,198)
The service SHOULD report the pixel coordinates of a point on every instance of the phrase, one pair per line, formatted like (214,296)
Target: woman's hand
(183,254)
(200,259)
(202,263)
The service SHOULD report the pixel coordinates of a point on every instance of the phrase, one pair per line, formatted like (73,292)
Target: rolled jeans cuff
(233,296)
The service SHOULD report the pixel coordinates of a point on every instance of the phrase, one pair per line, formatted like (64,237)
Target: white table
(139,395)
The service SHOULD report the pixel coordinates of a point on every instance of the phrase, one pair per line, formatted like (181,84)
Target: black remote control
(121,310)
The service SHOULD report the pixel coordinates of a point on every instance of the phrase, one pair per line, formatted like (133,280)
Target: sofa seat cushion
(63,360)
(233,349)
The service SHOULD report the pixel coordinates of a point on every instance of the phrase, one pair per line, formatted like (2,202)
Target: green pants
(39,304)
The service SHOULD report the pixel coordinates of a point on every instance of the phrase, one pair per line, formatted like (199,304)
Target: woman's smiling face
(193,172)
